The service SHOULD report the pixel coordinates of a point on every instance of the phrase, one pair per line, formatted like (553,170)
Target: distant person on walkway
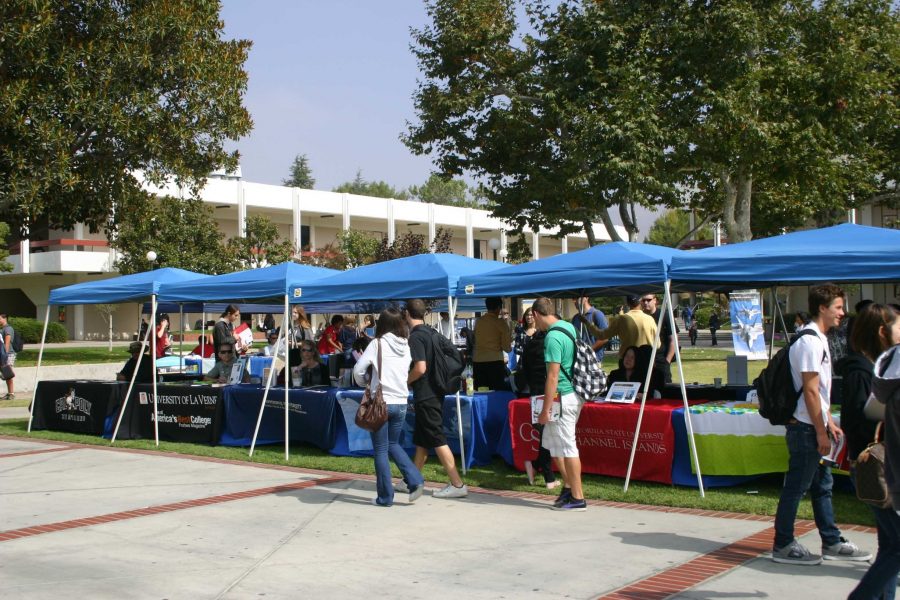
(224,328)
(145,371)
(428,402)
(809,437)
(6,335)
(692,333)
(391,348)
(493,337)
(634,328)
(714,325)
(687,314)
(559,434)
(585,314)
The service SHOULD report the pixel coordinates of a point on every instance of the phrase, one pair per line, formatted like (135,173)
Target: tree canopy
(261,244)
(183,233)
(674,227)
(377,189)
(4,251)
(449,192)
(782,111)
(301,174)
(98,94)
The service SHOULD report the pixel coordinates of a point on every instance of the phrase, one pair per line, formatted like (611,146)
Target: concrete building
(309,218)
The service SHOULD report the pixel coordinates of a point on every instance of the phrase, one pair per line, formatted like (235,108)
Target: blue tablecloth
(312,415)
(484,418)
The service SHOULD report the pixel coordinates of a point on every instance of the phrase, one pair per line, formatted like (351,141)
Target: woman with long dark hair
(386,362)
(875,329)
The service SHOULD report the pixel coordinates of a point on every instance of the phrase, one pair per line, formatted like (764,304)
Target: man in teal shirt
(559,432)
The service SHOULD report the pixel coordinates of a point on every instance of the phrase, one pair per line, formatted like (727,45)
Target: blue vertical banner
(747,325)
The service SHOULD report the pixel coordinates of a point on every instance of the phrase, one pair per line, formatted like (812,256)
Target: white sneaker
(450,491)
(401,488)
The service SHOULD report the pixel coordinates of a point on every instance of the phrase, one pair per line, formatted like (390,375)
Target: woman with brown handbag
(385,364)
(876,328)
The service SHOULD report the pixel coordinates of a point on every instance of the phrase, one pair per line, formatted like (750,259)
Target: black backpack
(16,343)
(446,365)
(775,386)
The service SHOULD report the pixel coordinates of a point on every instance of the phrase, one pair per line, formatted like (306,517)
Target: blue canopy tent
(126,288)
(617,267)
(845,252)
(267,283)
(419,276)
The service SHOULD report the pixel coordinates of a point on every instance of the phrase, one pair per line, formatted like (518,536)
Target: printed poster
(747,325)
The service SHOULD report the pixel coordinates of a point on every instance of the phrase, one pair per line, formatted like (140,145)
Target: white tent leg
(37,370)
(152,326)
(637,429)
(667,306)
(287,375)
(202,344)
(451,304)
(137,367)
(772,336)
(181,337)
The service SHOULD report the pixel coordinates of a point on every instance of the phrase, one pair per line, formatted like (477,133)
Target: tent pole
(181,337)
(637,429)
(269,386)
(781,318)
(451,304)
(772,335)
(287,429)
(202,342)
(152,326)
(137,367)
(667,306)
(37,370)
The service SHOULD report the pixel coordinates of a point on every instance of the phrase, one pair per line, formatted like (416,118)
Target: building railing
(59,244)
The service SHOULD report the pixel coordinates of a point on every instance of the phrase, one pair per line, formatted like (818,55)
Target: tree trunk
(736,206)
(610,228)
(589,231)
(629,220)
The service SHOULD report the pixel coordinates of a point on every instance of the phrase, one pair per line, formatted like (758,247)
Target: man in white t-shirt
(809,436)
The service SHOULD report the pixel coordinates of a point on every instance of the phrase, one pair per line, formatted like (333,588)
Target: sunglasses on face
(648,300)
(305,349)
(226,351)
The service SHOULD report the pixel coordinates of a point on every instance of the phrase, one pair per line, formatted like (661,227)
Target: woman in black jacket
(876,329)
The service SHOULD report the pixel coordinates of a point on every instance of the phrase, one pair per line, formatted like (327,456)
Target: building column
(504,251)
(25,255)
(432,229)
(78,320)
(391,223)
(470,236)
(345,212)
(296,221)
(564,245)
(535,245)
(242,210)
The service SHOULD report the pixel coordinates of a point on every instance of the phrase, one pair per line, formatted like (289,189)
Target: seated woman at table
(226,358)
(633,363)
(145,371)
(530,376)
(386,362)
(306,366)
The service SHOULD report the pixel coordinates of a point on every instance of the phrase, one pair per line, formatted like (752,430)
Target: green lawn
(757,497)
(701,365)
(77,355)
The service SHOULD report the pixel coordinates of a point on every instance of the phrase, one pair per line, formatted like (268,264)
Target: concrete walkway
(96,522)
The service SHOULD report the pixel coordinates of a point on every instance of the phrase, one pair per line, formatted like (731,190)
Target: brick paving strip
(41,451)
(655,587)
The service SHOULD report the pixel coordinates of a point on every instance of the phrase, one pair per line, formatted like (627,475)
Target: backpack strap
(574,353)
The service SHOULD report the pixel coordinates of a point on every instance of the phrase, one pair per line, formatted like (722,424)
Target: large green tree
(449,192)
(96,95)
(784,111)
(674,227)
(301,174)
(183,233)
(4,251)
(261,244)
(378,189)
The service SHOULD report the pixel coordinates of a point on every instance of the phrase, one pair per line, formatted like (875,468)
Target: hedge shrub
(30,330)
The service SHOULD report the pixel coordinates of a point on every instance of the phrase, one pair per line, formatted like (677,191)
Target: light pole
(494,244)
(151,256)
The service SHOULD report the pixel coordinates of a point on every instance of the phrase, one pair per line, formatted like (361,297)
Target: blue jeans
(805,474)
(880,581)
(385,443)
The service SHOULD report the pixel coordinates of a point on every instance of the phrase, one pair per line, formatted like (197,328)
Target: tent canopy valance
(253,284)
(845,252)
(613,268)
(126,288)
(420,276)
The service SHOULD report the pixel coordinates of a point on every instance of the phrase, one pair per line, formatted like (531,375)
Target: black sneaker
(572,505)
(563,497)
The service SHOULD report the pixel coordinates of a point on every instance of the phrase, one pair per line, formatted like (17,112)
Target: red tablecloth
(605,433)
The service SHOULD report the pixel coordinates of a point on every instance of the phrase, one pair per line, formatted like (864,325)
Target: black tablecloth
(75,406)
(709,393)
(186,413)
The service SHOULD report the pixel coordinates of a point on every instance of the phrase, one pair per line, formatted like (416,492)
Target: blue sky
(333,80)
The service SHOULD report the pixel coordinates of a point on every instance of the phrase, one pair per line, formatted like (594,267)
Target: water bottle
(470,383)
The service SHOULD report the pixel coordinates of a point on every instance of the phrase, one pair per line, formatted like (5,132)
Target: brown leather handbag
(372,412)
(868,479)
